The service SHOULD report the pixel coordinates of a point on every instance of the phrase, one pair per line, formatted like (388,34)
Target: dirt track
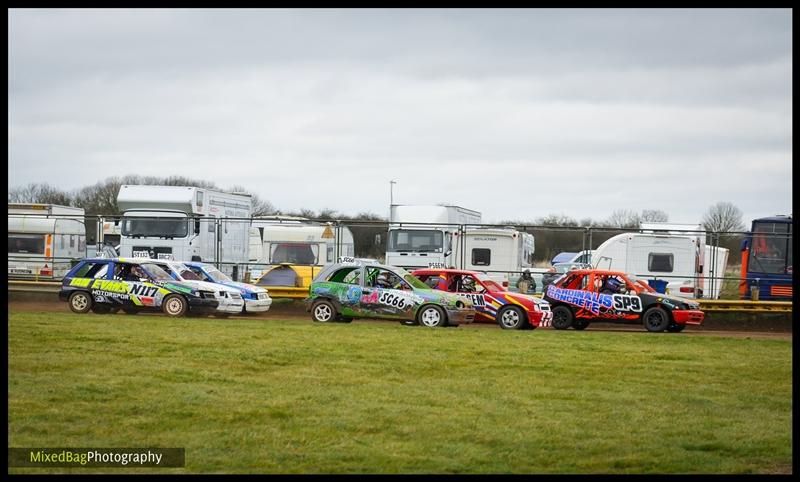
(757,328)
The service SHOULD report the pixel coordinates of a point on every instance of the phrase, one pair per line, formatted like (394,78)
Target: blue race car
(256,298)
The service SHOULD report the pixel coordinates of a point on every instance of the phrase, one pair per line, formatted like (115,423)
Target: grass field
(296,397)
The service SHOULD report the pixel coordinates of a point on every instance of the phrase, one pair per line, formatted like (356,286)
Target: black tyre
(222,315)
(323,311)
(655,319)
(562,317)
(113,309)
(431,316)
(130,310)
(511,318)
(675,328)
(174,305)
(101,309)
(80,302)
(580,324)
(344,319)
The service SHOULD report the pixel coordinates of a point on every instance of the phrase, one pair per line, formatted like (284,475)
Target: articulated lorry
(186,224)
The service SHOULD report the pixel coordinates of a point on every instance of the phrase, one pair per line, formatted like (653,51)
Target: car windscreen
(216,275)
(151,227)
(156,272)
(418,241)
(411,279)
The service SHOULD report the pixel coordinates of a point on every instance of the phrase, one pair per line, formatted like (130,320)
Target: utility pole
(391,196)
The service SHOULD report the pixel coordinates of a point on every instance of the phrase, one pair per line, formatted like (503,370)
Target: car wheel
(344,319)
(174,305)
(113,309)
(562,317)
(101,309)
(323,311)
(222,315)
(655,319)
(511,318)
(130,310)
(432,316)
(580,324)
(80,302)
(675,328)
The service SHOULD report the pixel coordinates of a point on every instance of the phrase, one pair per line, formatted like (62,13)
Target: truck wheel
(580,324)
(655,319)
(432,316)
(562,317)
(174,305)
(323,311)
(675,328)
(80,302)
(511,318)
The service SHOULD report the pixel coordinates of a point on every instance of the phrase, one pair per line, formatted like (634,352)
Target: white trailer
(503,253)
(423,235)
(43,239)
(282,240)
(675,259)
(185,224)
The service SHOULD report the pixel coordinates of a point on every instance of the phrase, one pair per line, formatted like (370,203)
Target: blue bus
(767,260)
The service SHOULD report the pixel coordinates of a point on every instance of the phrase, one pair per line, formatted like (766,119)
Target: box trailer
(186,224)
(44,240)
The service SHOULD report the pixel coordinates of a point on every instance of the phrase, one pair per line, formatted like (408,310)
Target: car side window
(349,275)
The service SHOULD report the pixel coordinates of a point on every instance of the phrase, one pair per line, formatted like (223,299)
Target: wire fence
(291,252)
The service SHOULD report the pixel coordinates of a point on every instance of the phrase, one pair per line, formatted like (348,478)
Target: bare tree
(722,217)
(623,218)
(654,216)
(40,194)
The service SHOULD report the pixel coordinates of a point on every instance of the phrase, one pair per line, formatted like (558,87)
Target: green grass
(296,397)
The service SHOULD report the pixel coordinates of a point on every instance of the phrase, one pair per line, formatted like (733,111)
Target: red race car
(493,303)
(586,295)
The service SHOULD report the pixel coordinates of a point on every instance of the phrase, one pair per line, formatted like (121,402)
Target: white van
(44,239)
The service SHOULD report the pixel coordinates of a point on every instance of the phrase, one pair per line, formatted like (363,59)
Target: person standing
(525,283)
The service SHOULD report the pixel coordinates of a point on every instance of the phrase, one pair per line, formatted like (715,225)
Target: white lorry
(296,241)
(422,236)
(43,239)
(185,224)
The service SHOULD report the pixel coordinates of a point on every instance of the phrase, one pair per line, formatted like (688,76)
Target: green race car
(366,289)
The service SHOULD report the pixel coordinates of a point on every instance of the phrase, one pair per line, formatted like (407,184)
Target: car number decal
(627,303)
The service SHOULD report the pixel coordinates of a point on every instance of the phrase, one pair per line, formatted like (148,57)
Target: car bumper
(258,305)
(688,317)
(460,316)
(540,318)
(202,305)
(231,307)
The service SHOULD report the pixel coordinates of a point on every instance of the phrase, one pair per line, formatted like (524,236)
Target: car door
(387,301)
(484,311)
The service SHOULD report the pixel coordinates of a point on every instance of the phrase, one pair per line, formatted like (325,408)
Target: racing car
(105,285)
(365,289)
(583,296)
(493,303)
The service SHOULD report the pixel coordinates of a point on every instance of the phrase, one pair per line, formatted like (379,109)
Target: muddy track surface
(738,329)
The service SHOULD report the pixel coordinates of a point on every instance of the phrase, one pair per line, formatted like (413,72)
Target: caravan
(670,258)
(44,239)
(502,253)
(286,250)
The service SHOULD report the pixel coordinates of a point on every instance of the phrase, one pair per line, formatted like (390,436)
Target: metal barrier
(746,306)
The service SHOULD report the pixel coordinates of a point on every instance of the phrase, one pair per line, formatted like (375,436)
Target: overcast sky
(514,113)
